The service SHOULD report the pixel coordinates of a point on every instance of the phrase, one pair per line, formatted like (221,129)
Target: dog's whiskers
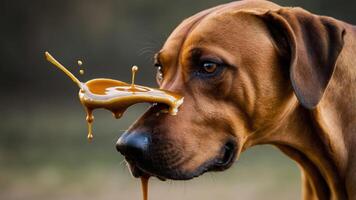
(150,47)
(123,162)
(145,49)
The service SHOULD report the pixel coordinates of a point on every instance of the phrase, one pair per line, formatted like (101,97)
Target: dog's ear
(312,44)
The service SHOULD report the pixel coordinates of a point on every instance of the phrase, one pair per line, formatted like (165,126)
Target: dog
(253,72)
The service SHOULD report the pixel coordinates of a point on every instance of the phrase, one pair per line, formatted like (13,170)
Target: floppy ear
(312,44)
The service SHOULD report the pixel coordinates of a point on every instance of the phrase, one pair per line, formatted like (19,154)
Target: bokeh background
(44,153)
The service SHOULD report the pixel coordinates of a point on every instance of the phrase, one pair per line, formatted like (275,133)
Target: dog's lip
(135,171)
(209,166)
(216,164)
(229,153)
(138,172)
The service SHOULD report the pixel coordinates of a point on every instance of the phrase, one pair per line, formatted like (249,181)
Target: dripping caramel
(116,96)
(133,70)
(144,186)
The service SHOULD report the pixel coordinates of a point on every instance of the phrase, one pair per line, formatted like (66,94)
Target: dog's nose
(133,145)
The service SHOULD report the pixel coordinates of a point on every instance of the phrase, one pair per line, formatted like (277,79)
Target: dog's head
(238,67)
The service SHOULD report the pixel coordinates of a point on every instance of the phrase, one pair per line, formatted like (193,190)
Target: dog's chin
(138,172)
(220,163)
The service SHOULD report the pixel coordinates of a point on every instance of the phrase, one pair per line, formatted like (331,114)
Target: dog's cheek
(203,153)
(220,88)
(184,149)
(202,144)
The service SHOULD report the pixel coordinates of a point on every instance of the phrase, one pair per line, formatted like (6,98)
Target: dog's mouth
(138,172)
(220,163)
(227,158)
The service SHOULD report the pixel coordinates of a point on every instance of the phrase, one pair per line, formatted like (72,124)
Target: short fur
(290,82)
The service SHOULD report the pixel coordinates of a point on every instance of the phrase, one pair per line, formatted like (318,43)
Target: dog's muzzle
(160,158)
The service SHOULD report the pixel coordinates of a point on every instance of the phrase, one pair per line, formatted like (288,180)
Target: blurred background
(44,153)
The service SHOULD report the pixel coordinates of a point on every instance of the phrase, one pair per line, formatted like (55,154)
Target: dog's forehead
(175,41)
(177,37)
(174,48)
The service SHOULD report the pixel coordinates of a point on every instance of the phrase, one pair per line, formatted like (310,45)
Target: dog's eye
(209,67)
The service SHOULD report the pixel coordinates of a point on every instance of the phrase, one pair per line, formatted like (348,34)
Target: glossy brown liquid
(81,71)
(144,185)
(116,96)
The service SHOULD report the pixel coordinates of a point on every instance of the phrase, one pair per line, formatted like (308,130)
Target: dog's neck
(302,135)
(321,140)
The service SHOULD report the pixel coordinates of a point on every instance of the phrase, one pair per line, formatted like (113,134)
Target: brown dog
(251,73)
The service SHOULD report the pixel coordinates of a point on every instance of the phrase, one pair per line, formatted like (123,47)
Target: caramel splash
(80,63)
(134,69)
(144,185)
(116,96)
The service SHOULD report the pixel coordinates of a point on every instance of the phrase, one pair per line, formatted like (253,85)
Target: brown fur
(290,83)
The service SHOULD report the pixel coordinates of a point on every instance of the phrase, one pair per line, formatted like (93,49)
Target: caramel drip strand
(90,119)
(52,60)
(134,69)
(144,184)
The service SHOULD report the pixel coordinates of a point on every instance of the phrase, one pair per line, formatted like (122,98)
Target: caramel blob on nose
(116,96)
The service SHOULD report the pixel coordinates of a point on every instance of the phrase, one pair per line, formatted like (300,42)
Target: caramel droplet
(81,72)
(90,133)
(90,119)
(134,69)
(117,115)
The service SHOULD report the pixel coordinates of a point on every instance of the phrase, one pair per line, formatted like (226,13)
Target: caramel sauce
(144,185)
(116,96)
(80,63)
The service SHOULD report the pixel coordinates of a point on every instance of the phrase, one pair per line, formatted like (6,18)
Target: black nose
(133,145)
